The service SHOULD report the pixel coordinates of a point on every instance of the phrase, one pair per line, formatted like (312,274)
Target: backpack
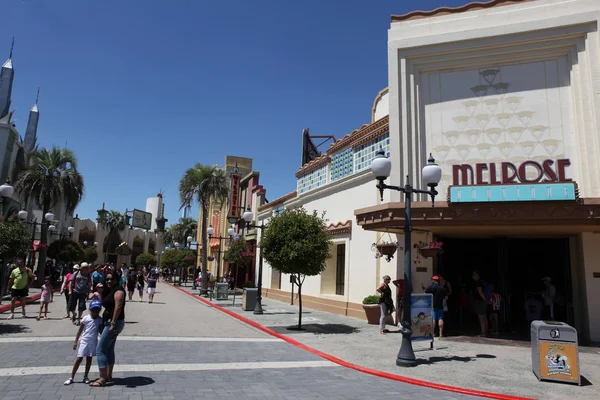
(487,291)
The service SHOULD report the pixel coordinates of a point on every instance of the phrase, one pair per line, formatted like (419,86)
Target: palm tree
(203,183)
(114,222)
(49,177)
(187,227)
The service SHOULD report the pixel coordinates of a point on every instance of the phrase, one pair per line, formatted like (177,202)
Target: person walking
(141,280)
(79,288)
(113,319)
(386,303)
(131,281)
(46,298)
(480,303)
(20,280)
(87,339)
(97,277)
(64,288)
(152,280)
(439,294)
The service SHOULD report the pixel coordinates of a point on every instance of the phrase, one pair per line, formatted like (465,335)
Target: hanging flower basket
(247,254)
(388,249)
(427,252)
(210,258)
(427,249)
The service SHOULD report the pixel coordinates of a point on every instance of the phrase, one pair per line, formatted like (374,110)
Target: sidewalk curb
(29,300)
(343,363)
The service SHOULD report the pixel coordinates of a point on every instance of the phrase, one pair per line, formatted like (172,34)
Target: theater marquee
(507,182)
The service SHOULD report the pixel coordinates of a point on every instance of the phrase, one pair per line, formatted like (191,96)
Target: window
(340,269)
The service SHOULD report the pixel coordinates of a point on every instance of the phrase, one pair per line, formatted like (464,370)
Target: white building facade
(505,95)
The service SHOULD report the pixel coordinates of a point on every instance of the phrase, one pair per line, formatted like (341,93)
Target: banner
(234,196)
(422,317)
(141,219)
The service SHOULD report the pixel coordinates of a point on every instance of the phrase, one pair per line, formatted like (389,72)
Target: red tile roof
(476,5)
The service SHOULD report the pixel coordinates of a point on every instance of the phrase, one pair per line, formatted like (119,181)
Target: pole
(292,281)
(34,225)
(219,258)
(258,307)
(406,355)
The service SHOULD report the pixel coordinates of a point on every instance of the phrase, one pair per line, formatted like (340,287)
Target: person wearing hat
(79,288)
(439,294)
(549,296)
(87,339)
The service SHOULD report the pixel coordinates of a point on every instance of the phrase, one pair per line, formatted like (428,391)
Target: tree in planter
(297,243)
(145,259)
(90,255)
(15,238)
(235,255)
(66,250)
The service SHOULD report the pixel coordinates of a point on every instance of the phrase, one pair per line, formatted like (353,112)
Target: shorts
(17,293)
(77,297)
(140,287)
(130,288)
(480,307)
(151,290)
(438,314)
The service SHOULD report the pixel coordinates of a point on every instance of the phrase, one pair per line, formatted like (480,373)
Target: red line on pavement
(30,299)
(343,363)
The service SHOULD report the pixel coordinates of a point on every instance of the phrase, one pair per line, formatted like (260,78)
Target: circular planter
(387,249)
(372,312)
(427,252)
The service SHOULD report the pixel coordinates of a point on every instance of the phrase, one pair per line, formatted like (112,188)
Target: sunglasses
(109,279)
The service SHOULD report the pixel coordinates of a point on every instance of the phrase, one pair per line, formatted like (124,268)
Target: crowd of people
(104,287)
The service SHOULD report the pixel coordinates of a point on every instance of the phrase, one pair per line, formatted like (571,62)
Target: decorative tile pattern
(313,180)
(342,164)
(364,155)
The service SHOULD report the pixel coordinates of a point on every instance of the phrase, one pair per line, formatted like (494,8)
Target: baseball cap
(547,278)
(76,266)
(95,304)
(435,278)
(84,265)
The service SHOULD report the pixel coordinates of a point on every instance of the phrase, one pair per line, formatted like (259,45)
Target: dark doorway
(515,267)
(340,269)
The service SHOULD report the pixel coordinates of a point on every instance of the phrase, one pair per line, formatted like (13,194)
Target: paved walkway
(481,366)
(178,348)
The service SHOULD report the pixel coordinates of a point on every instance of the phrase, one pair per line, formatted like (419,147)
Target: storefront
(509,112)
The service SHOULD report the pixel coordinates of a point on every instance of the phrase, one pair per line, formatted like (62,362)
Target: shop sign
(508,173)
(234,201)
(501,193)
(422,317)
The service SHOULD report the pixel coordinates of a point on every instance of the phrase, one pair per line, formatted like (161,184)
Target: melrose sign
(508,182)
(508,173)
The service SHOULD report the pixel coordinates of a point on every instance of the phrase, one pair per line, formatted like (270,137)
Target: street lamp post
(432,174)
(248,218)
(61,236)
(230,233)
(47,220)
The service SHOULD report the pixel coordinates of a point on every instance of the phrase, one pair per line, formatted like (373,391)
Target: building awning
(390,217)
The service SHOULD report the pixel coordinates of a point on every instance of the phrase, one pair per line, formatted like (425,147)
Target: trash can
(249,299)
(555,352)
(222,291)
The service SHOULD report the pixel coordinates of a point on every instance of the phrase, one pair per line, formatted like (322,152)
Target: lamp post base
(258,310)
(406,355)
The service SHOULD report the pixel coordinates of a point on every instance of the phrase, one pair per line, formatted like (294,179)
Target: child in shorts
(87,338)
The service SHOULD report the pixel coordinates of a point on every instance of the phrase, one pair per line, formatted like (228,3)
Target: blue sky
(143,89)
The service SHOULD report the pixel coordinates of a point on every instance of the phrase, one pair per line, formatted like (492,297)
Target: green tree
(202,183)
(90,254)
(170,259)
(49,177)
(235,253)
(296,243)
(66,250)
(114,222)
(15,238)
(145,259)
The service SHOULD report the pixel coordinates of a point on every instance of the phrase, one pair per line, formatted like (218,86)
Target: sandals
(98,383)
(69,381)
(86,380)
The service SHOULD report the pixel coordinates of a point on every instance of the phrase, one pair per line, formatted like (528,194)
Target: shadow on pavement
(328,329)
(585,381)
(133,381)
(13,328)
(436,359)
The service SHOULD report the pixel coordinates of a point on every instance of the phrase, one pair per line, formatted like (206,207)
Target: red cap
(435,278)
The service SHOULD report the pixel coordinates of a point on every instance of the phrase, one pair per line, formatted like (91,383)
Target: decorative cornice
(278,201)
(380,95)
(340,228)
(476,5)
(363,135)
(317,163)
